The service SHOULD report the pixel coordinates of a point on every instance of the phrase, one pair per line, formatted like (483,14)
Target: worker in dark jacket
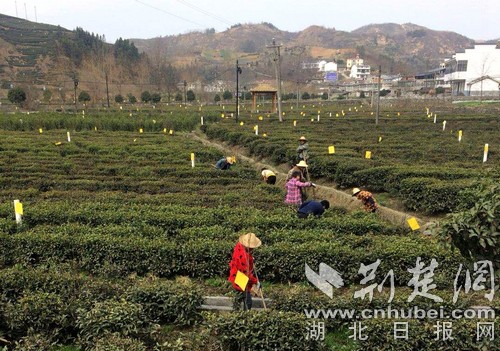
(315,208)
(303,149)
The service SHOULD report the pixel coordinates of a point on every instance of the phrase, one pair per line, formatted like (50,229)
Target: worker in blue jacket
(315,208)
(224,163)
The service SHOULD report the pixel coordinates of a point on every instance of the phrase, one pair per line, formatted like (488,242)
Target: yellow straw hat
(249,240)
(302,138)
(355,191)
(229,160)
(302,164)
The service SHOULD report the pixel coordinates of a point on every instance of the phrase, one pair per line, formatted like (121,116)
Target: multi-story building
(475,71)
(360,72)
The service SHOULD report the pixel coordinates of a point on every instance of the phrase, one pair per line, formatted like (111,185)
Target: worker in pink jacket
(293,186)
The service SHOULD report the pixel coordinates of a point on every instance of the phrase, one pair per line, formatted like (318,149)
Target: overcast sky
(476,19)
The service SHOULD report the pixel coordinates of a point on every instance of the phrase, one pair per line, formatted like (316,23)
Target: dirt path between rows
(336,197)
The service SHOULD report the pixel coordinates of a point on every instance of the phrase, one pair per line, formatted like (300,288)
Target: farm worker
(293,187)
(301,167)
(366,198)
(242,262)
(303,149)
(315,208)
(224,163)
(268,176)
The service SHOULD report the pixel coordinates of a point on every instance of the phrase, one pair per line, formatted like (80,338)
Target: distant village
(473,72)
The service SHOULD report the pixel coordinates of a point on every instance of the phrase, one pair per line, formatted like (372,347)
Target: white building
(329,67)
(475,71)
(360,71)
(321,66)
(354,61)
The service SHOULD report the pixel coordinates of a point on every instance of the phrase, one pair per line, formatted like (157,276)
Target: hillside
(27,48)
(399,48)
(46,60)
(43,56)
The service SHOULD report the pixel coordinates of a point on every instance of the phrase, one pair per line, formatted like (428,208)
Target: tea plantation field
(420,162)
(121,237)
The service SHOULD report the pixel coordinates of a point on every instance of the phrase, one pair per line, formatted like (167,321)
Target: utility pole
(75,84)
(378,94)
(297,97)
(15,2)
(107,87)
(277,67)
(36,17)
(185,97)
(25,12)
(238,72)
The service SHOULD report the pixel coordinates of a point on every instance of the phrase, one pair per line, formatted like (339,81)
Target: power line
(194,7)
(168,13)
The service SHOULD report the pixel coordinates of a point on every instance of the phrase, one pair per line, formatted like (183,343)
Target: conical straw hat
(250,240)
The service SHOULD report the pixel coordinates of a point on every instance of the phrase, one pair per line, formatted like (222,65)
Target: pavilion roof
(264,88)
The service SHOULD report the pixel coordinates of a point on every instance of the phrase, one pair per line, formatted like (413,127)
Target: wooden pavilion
(263,90)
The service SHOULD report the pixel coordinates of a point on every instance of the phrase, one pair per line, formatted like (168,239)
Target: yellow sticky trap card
(18,208)
(241,280)
(40,130)
(412,222)
(368,154)
(171,132)
(57,143)
(331,149)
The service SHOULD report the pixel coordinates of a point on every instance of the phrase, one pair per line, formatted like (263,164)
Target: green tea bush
(117,342)
(34,342)
(164,303)
(265,331)
(475,231)
(127,319)
(41,312)
(429,195)
(281,262)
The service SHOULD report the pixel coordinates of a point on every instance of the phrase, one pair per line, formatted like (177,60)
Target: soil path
(336,197)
